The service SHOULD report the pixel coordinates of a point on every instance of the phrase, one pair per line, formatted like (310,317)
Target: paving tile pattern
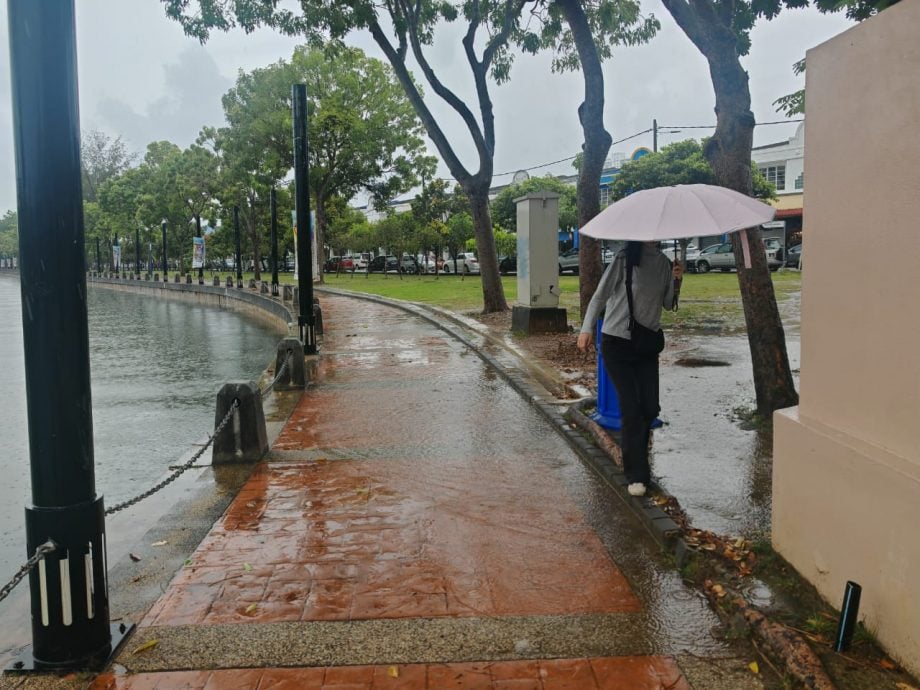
(612,673)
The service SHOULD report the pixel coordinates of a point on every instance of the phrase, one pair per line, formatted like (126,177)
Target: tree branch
(431,125)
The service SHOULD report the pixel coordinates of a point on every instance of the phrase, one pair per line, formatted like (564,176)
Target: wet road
(417,511)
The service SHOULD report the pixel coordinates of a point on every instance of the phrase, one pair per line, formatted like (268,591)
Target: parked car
(408,264)
(382,263)
(568,261)
(774,249)
(722,257)
(465,263)
(667,248)
(794,256)
(507,264)
(361,261)
(334,264)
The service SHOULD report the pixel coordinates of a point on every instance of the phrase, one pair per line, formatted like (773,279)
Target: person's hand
(677,271)
(584,341)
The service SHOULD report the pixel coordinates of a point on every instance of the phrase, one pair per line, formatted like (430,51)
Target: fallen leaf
(887,664)
(362,490)
(718,589)
(251,608)
(134,557)
(160,543)
(247,567)
(393,672)
(149,644)
(904,686)
(754,667)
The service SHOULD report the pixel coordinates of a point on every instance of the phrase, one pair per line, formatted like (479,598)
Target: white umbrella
(684,210)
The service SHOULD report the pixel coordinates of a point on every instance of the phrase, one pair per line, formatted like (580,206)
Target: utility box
(537,309)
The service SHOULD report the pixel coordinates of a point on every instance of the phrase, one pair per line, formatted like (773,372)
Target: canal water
(156,369)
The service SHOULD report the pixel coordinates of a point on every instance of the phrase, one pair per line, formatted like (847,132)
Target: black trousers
(635,378)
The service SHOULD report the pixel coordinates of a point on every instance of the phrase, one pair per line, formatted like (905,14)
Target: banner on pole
(316,258)
(116,255)
(198,252)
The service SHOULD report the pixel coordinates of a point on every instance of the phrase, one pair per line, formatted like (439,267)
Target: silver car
(722,257)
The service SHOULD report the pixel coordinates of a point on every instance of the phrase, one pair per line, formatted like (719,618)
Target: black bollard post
(137,252)
(98,264)
(304,231)
(239,250)
(69,597)
(849,611)
(165,266)
(273,204)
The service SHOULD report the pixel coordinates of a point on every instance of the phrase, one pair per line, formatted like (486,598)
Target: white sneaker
(636,489)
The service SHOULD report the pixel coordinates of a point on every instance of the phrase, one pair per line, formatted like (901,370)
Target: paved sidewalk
(418,525)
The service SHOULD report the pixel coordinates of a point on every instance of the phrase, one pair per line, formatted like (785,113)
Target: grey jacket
(652,288)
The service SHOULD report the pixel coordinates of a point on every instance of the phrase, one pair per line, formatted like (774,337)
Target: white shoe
(636,489)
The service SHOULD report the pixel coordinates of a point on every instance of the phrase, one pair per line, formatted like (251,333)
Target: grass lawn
(707,300)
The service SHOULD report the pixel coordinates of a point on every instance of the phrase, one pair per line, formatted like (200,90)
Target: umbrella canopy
(684,210)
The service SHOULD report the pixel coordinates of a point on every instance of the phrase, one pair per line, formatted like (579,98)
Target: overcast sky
(141,78)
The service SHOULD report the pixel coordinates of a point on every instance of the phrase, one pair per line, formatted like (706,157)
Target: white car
(722,257)
(361,261)
(466,263)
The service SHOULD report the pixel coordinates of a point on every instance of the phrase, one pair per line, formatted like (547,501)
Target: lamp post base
(25,663)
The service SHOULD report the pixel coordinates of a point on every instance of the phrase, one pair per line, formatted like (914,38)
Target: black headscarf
(633,253)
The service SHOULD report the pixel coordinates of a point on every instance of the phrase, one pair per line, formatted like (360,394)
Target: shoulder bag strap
(629,295)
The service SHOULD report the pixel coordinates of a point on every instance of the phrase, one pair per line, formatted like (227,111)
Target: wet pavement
(418,524)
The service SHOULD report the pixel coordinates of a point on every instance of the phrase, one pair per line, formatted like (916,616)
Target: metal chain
(287,360)
(40,552)
(171,478)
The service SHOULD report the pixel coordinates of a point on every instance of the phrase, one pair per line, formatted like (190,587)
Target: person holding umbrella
(636,286)
(640,282)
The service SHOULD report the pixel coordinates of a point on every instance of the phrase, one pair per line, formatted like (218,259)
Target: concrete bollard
(252,283)
(229,282)
(216,281)
(294,377)
(188,278)
(295,300)
(156,277)
(177,278)
(263,288)
(244,438)
(287,293)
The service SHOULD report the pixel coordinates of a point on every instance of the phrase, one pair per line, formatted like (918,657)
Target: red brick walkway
(409,483)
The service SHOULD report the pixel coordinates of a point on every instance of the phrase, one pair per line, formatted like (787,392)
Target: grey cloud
(192,98)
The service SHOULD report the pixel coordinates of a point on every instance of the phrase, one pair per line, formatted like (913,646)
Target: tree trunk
(596,146)
(493,292)
(729,154)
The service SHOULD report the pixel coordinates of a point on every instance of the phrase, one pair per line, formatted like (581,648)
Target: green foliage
(612,23)
(363,134)
(505,243)
(9,235)
(504,210)
(102,158)
(682,162)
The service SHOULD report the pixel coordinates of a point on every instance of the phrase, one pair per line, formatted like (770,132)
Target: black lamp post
(306,318)
(198,235)
(239,250)
(69,596)
(165,263)
(273,205)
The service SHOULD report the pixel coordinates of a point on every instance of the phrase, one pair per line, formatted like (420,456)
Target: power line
(670,129)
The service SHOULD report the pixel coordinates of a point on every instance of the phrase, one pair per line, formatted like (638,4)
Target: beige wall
(846,461)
